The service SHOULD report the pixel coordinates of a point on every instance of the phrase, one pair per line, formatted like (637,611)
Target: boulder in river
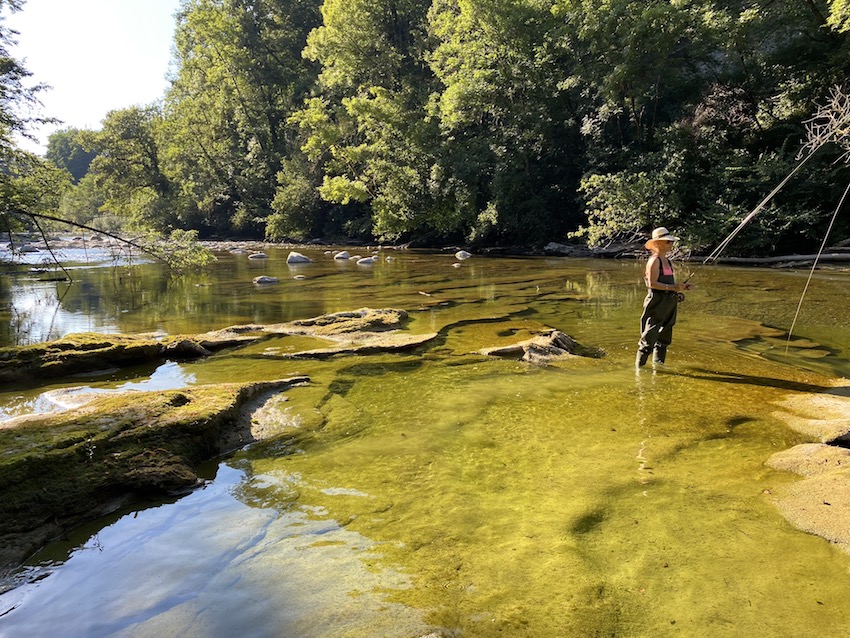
(547,346)
(297,258)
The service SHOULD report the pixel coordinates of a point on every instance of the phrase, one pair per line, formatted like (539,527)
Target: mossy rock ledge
(58,471)
(88,352)
(354,332)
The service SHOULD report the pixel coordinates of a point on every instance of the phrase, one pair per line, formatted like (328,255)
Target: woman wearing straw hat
(659,307)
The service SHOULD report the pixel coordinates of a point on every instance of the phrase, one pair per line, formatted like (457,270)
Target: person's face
(664,246)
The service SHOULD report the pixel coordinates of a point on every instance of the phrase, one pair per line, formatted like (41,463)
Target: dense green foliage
(480,121)
(67,149)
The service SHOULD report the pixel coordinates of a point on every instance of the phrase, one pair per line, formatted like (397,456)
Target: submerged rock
(820,503)
(350,321)
(362,344)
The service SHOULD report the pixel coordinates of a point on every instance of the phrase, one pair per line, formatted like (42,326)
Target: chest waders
(657,321)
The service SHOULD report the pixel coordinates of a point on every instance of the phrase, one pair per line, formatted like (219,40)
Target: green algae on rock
(364,319)
(57,471)
(363,331)
(88,352)
(74,353)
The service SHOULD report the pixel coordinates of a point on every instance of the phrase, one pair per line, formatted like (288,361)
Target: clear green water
(440,491)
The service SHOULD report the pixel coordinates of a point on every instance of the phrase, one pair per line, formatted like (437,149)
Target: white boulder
(298,258)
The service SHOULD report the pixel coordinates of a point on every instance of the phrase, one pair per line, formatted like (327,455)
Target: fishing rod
(831,123)
(815,264)
(715,254)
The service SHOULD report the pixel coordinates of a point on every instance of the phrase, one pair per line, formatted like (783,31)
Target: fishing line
(815,264)
(715,254)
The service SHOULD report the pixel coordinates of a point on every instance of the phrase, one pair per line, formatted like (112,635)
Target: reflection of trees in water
(38,311)
(30,314)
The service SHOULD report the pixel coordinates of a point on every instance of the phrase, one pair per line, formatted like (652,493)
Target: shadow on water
(767,382)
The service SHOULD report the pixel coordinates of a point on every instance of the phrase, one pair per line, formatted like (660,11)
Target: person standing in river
(662,300)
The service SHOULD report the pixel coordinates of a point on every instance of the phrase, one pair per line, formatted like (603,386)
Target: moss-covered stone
(59,470)
(88,352)
(73,354)
(362,320)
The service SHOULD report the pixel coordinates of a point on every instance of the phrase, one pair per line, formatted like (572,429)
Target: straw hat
(659,234)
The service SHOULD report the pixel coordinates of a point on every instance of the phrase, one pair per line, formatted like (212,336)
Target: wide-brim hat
(660,234)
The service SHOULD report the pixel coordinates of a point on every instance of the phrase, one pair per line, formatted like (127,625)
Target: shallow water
(441,491)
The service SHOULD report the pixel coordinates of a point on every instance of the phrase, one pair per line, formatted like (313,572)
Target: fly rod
(715,254)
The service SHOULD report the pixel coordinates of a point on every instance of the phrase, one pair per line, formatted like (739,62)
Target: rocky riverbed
(59,470)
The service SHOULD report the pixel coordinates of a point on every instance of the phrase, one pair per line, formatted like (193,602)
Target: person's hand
(688,285)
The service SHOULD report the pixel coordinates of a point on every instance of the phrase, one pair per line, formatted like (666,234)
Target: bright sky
(97,55)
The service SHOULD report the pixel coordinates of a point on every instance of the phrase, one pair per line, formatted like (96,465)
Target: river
(444,493)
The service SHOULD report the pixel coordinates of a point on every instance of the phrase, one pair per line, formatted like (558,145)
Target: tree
(65,148)
(507,116)
(839,15)
(17,99)
(30,186)
(127,163)
(240,75)
(368,131)
(128,168)
(728,127)
(27,184)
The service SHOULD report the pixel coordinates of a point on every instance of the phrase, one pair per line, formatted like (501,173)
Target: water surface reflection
(442,491)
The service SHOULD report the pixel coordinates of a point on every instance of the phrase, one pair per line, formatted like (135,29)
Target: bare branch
(36,216)
(50,250)
(831,123)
